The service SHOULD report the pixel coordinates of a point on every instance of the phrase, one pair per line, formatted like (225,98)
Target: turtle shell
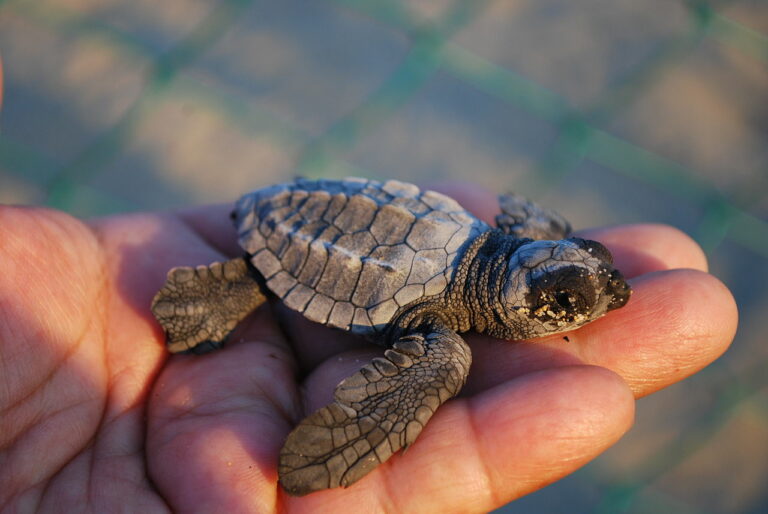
(349,253)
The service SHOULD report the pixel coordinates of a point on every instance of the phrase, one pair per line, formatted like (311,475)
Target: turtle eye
(565,299)
(570,300)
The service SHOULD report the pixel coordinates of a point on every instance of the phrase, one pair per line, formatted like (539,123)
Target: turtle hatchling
(408,269)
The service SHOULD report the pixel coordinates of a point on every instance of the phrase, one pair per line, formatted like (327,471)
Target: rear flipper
(199,307)
(378,410)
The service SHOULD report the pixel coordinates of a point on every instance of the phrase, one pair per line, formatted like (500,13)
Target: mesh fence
(653,111)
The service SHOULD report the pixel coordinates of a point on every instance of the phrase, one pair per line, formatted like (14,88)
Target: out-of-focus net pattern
(611,111)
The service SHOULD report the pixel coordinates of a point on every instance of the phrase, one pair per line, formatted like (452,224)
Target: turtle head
(554,286)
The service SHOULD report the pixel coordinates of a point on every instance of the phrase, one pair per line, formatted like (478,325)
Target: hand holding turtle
(94,412)
(410,270)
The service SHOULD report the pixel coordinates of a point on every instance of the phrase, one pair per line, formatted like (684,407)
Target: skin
(95,415)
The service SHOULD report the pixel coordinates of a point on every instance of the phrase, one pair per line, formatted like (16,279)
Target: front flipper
(199,307)
(521,217)
(378,410)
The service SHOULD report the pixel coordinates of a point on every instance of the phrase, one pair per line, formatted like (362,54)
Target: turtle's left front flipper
(199,307)
(378,410)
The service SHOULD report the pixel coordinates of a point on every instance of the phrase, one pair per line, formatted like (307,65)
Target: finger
(139,249)
(478,200)
(477,454)
(644,248)
(675,324)
(216,423)
(213,224)
(152,243)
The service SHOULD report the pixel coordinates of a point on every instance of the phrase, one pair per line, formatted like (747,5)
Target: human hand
(94,412)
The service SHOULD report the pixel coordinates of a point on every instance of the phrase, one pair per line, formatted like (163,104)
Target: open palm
(94,414)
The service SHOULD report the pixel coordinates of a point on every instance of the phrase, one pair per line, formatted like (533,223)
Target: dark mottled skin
(410,270)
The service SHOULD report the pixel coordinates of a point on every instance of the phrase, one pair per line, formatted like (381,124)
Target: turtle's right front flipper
(378,410)
(522,218)
(199,307)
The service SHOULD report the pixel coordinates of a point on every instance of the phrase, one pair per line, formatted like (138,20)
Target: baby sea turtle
(409,269)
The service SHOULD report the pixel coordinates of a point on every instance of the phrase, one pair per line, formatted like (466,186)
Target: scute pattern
(349,253)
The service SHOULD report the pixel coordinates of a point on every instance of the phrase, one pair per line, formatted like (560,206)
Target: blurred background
(612,111)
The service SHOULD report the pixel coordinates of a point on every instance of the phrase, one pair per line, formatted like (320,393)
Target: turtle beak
(618,289)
